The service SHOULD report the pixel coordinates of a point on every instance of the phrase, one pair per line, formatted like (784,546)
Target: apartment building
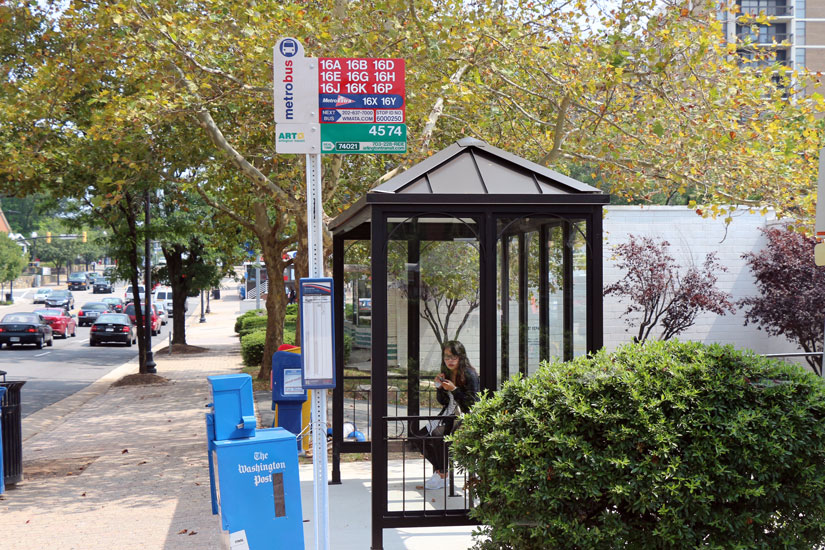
(796,34)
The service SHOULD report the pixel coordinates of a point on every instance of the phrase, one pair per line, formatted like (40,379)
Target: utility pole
(150,360)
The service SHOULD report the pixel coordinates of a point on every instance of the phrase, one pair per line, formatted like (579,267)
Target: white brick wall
(691,238)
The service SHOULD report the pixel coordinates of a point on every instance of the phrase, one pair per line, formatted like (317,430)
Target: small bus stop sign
(317,329)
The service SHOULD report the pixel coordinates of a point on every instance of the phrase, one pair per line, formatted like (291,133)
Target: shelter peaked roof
(472,166)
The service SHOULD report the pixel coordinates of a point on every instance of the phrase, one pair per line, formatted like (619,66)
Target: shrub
(252,324)
(252,347)
(292,309)
(347,347)
(663,445)
(251,313)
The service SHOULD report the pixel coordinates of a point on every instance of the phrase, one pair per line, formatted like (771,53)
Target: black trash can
(8,296)
(216,294)
(12,419)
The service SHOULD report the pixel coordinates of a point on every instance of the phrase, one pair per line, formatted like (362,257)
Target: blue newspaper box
(288,394)
(259,491)
(253,474)
(233,406)
(2,483)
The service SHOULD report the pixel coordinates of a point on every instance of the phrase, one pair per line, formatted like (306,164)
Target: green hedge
(251,313)
(252,347)
(292,309)
(252,324)
(663,445)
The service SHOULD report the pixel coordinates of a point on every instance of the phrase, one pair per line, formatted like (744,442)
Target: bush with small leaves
(662,445)
(252,348)
(252,324)
(251,313)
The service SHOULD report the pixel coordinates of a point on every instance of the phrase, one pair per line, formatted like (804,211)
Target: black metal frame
(369,220)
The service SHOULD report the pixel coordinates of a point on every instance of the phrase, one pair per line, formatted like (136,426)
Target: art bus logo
(291,137)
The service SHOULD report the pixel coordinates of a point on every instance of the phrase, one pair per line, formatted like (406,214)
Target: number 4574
(385,130)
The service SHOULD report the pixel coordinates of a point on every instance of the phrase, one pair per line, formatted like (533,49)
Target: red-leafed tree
(660,293)
(791,300)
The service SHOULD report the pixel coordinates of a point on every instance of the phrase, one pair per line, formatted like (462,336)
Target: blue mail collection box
(253,474)
(288,394)
(259,491)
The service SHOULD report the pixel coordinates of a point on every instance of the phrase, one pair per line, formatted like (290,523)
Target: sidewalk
(126,467)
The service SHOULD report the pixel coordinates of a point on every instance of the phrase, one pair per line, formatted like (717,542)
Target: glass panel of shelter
(541,282)
(433,274)
(357,340)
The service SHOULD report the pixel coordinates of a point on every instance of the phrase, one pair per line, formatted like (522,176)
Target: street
(56,372)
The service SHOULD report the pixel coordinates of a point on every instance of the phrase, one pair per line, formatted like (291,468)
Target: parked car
(128,296)
(112,327)
(130,311)
(115,304)
(62,322)
(41,295)
(90,311)
(60,298)
(102,285)
(25,328)
(164,295)
(161,309)
(78,281)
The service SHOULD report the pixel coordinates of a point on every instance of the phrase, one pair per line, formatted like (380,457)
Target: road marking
(42,354)
(84,341)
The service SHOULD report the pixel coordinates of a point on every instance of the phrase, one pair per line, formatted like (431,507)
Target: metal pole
(315,243)
(257,284)
(203,318)
(150,361)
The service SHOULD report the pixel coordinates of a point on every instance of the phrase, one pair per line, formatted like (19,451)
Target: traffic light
(48,236)
(84,237)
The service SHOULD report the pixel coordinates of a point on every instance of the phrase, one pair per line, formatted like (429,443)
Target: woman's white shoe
(435,482)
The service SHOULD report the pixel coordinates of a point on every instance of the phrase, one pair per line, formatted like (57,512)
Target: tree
(60,252)
(791,299)
(12,259)
(655,288)
(449,277)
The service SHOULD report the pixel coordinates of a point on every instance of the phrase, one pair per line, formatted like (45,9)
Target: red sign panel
(359,90)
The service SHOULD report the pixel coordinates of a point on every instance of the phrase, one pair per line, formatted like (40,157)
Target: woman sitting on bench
(457,390)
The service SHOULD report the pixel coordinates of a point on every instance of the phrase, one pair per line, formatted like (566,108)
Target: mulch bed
(141,380)
(181,349)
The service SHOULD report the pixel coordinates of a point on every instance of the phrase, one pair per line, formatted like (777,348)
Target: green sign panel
(363,138)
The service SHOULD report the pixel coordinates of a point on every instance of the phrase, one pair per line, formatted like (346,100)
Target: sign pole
(315,242)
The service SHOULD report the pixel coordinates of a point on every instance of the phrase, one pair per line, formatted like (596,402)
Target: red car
(130,311)
(62,322)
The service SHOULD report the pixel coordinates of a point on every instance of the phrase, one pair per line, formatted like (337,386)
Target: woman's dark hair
(456,348)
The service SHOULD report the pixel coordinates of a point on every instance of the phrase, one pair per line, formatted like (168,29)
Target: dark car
(112,327)
(25,328)
(60,298)
(103,286)
(61,321)
(90,311)
(130,311)
(78,281)
(115,304)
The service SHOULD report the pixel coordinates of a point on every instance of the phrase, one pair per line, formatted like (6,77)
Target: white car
(161,309)
(41,295)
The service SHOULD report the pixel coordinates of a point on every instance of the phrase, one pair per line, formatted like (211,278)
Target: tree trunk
(180,291)
(134,264)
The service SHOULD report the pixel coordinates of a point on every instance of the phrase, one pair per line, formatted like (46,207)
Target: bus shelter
(473,244)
